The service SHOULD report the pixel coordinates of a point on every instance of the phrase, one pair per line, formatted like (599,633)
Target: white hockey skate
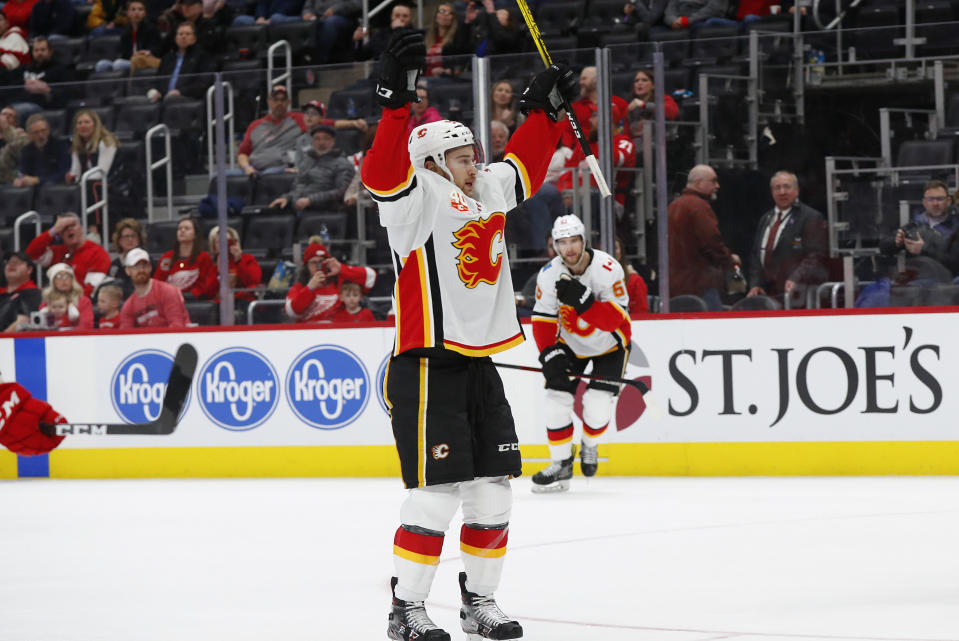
(408,620)
(482,619)
(589,459)
(555,477)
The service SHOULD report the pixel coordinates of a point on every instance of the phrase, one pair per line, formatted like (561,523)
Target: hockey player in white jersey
(454,305)
(580,316)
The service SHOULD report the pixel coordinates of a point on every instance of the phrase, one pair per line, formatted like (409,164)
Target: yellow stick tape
(624,459)
(534,32)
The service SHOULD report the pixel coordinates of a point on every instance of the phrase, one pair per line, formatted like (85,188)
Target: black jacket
(196,61)
(799,255)
(148,38)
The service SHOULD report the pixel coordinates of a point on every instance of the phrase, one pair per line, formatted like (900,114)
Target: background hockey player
(454,307)
(580,316)
(20,418)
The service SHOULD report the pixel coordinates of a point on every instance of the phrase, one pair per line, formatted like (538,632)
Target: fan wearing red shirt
(187,267)
(314,296)
(245,272)
(89,261)
(624,155)
(587,106)
(349,310)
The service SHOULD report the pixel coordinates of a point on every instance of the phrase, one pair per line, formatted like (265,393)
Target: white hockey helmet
(567,226)
(434,139)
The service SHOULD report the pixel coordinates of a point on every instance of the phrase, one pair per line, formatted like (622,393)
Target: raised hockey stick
(641,386)
(177,389)
(573,120)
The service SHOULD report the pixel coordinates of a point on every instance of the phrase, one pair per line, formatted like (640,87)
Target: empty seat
(203,312)
(53,200)
(445,95)
(351,103)
(133,120)
(674,44)
(246,41)
(714,45)
(917,153)
(559,17)
(142,81)
(236,187)
(269,235)
(933,18)
(160,236)
(68,51)
(15,201)
(106,86)
(184,116)
(877,26)
(269,187)
(687,303)
(313,225)
(756,303)
(102,48)
(300,34)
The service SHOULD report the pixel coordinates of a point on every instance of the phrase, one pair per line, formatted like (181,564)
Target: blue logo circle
(238,388)
(138,386)
(327,387)
(381,384)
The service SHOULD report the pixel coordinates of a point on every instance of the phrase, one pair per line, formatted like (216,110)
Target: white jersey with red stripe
(602,328)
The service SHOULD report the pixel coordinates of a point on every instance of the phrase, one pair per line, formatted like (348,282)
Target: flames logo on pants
(481,250)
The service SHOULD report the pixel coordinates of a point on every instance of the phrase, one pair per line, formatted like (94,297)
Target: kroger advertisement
(857,377)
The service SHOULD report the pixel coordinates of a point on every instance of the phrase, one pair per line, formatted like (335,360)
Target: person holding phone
(930,232)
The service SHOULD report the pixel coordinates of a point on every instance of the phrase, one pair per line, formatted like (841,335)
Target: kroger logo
(138,386)
(238,388)
(381,383)
(327,387)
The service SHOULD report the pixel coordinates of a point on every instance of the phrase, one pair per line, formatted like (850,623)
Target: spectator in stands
(314,113)
(586,105)
(647,12)
(930,231)
(184,70)
(187,266)
(140,42)
(21,296)
(77,310)
(641,106)
(322,176)
(335,22)
(694,14)
(14,50)
(267,140)
(698,257)
(109,301)
(272,12)
(401,17)
(106,18)
(503,106)
(445,39)
(18,13)
(624,155)
(52,18)
(154,303)
(314,295)
(13,139)
(791,244)
(790,6)
(350,309)
(422,111)
(498,137)
(45,159)
(127,234)
(37,78)
(245,272)
(489,30)
(93,146)
(635,285)
(64,243)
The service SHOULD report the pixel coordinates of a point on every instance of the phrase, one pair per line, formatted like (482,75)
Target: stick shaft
(589,377)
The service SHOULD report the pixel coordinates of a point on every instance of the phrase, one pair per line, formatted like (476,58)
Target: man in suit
(790,246)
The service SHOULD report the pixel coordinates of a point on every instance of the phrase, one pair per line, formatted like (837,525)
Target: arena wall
(828,393)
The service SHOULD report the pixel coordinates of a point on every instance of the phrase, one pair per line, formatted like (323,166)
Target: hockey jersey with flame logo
(603,327)
(453,285)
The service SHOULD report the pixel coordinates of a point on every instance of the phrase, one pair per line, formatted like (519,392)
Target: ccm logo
(80,428)
(441,451)
(506,447)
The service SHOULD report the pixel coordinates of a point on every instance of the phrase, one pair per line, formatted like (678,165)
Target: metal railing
(286,76)
(229,123)
(103,204)
(166,162)
(26,217)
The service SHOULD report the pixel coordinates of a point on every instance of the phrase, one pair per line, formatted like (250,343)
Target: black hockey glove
(549,89)
(571,292)
(556,365)
(400,66)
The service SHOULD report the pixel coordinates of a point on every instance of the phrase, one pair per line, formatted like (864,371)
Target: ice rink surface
(615,559)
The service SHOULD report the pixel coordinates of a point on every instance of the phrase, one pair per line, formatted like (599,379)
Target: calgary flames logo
(481,250)
(571,322)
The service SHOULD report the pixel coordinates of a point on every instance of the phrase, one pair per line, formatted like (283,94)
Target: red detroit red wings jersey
(453,288)
(602,328)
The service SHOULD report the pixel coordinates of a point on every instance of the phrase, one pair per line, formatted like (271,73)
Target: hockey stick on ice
(177,389)
(641,386)
(573,120)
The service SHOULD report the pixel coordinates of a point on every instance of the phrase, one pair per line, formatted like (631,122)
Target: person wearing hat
(77,308)
(154,303)
(21,296)
(314,113)
(267,140)
(322,176)
(315,293)
(65,243)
